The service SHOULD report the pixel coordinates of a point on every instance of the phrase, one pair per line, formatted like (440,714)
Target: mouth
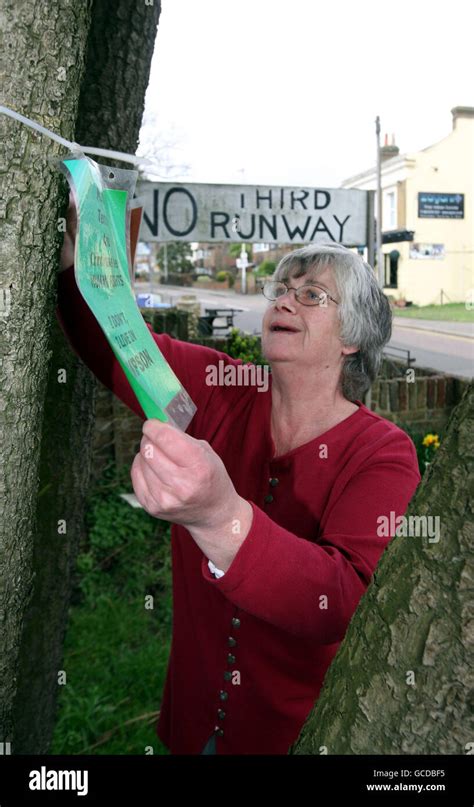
(275,328)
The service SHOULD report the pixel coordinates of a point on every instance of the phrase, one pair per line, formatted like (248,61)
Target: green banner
(102,275)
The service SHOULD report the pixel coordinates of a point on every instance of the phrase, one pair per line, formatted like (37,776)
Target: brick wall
(424,403)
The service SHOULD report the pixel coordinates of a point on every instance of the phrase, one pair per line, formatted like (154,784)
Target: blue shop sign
(440,205)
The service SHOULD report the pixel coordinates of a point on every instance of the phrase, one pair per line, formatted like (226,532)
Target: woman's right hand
(67,251)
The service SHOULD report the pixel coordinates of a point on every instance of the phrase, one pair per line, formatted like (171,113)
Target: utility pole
(378,229)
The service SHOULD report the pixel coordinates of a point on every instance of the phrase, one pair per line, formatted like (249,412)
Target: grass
(116,649)
(450,312)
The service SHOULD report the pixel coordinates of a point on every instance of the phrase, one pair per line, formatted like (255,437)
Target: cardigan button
(268,498)
(223,695)
(231,641)
(227,675)
(230,658)
(273,481)
(219,731)
(235,622)
(220,714)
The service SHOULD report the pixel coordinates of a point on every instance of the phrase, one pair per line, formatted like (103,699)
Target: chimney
(386,151)
(461,112)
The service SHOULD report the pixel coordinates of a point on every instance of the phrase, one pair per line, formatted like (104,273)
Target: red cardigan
(250,650)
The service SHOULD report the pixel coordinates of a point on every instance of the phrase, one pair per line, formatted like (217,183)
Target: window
(390,212)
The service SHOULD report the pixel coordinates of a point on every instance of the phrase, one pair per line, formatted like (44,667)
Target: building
(271,252)
(211,258)
(427,216)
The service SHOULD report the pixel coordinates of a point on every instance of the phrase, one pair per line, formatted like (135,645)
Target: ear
(347,350)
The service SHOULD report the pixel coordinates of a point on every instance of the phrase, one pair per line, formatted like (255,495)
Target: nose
(285,301)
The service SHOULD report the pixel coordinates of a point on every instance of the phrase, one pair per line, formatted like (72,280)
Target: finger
(181,448)
(71,216)
(171,489)
(154,475)
(162,466)
(141,487)
(67,252)
(161,497)
(164,501)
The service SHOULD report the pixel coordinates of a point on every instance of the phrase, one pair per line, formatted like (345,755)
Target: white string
(75,147)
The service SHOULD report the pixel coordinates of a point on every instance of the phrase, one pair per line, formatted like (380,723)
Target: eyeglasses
(307,294)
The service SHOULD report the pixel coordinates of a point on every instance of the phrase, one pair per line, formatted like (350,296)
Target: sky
(286,93)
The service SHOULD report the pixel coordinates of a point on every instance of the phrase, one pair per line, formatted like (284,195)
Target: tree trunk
(403,678)
(43,59)
(60,56)
(64,470)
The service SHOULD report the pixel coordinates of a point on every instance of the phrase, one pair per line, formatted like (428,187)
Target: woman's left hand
(180,479)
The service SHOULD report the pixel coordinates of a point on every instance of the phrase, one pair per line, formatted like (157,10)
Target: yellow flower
(431,440)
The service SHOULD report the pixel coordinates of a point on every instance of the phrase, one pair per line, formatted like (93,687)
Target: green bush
(265,268)
(245,347)
(224,275)
(204,278)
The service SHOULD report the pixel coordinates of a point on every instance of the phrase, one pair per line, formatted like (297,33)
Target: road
(445,346)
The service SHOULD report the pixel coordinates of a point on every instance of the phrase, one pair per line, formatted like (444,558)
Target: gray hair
(364,312)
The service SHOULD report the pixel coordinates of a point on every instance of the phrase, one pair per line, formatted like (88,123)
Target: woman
(274,497)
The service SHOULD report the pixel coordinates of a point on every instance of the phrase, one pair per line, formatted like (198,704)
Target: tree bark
(403,679)
(60,56)
(42,62)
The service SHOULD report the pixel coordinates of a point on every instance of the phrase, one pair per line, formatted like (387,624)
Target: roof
(391,163)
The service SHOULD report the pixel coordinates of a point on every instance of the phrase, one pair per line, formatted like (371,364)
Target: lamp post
(378,229)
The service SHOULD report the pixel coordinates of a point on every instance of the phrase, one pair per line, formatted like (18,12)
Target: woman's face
(314,341)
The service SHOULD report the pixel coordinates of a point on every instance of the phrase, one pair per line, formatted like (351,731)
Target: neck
(303,409)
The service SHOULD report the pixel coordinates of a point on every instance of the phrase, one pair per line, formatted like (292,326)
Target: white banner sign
(255,213)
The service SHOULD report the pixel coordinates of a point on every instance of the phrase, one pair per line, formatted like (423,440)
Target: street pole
(371,229)
(378,237)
